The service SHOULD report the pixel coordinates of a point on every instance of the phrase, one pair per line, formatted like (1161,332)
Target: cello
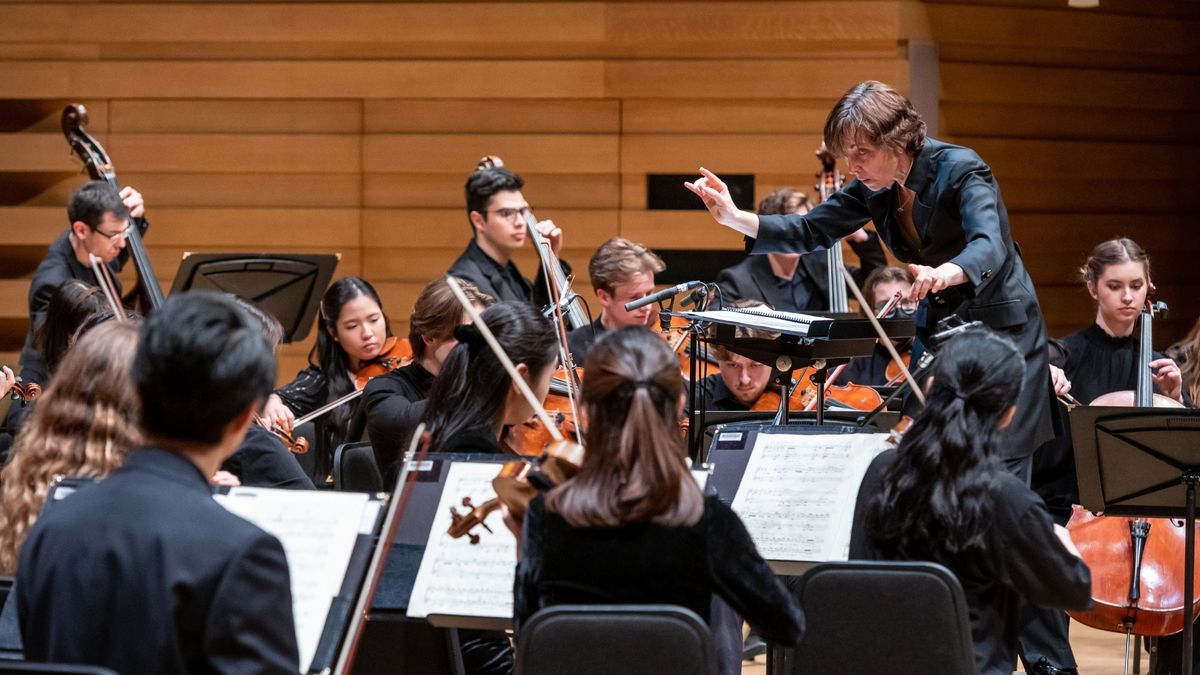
(1136,563)
(149,294)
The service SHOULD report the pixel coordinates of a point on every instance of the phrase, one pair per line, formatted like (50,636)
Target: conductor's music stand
(1143,462)
(287,286)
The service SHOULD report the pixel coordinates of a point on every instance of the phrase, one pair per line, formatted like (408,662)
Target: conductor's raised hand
(715,195)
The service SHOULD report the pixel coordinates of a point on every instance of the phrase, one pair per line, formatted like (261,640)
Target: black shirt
(717,396)
(263,461)
(394,403)
(502,282)
(647,563)
(304,394)
(1022,558)
(580,340)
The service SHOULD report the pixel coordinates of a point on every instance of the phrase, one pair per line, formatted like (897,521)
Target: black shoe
(753,646)
(1043,667)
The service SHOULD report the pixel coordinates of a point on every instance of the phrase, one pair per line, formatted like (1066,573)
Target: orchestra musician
(496,211)
(144,572)
(938,208)
(85,425)
(471,408)
(880,287)
(352,329)
(99,222)
(621,271)
(740,381)
(1098,359)
(395,401)
(790,281)
(633,523)
(943,495)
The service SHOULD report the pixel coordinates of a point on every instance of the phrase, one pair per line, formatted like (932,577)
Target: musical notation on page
(798,492)
(456,577)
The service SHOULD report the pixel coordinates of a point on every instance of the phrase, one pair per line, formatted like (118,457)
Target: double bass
(149,295)
(1136,563)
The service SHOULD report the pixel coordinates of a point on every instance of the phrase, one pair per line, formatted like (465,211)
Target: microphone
(695,297)
(662,295)
(948,333)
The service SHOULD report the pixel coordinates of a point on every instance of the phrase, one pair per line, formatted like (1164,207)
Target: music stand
(287,286)
(1143,462)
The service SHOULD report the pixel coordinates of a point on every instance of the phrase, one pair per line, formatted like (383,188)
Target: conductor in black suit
(938,208)
(144,572)
(790,281)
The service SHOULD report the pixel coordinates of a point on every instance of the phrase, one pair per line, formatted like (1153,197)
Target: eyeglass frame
(118,237)
(500,212)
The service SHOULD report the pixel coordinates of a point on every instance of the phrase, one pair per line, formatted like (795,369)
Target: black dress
(394,403)
(1022,558)
(647,563)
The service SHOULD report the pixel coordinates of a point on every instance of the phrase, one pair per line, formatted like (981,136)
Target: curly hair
(84,425)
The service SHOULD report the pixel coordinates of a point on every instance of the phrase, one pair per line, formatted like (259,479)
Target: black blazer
(501,282)
(960,218)
(753,279)
(145,573)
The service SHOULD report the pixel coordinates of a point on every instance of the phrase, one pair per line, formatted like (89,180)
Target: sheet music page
(797,495)
(317,530)
(460,578)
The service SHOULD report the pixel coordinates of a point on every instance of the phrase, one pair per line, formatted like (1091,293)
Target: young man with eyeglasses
(879,288)
(496,211)
(99,218)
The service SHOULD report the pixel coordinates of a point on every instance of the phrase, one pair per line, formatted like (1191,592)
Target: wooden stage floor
(1098,653)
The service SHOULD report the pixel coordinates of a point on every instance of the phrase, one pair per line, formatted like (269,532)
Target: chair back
(354,468)
(911,616)
(604,639)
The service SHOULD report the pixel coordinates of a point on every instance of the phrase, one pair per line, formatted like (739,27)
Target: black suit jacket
(145,573)
(960,218)
(753,279)
(501,282)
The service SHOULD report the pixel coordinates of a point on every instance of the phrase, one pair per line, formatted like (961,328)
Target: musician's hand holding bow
(716,197)
(1058,379)
(1168,380)
(133,201)
(276,413)
(552,233)
(934,279)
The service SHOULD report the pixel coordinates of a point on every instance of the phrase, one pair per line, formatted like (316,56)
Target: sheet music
(457,577)
(797,495)
(318,531)
(755,320)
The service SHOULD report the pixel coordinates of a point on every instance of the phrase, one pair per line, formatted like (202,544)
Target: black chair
(30,668)
(354,468)
(900,618)
(603,639)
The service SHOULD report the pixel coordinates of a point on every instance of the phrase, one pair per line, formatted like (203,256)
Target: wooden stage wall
(317,127)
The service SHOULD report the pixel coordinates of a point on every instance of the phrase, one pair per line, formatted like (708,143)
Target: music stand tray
(1142,462)
(287,286)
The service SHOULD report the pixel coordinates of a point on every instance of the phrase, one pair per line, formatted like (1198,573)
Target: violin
(892,372)
(535,435)
(560,459)
(100,167)
(396,353)
(1136,563)
(25,392)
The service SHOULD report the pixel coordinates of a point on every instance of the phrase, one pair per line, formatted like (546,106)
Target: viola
(1136,563)
(100,167)
(25,391)
(892,372)
(534,435)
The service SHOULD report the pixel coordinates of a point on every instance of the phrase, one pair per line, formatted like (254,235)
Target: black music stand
(1143,462)
(287,286)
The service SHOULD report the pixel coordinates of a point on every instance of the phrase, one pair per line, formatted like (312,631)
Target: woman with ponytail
(632,526)
(945,496)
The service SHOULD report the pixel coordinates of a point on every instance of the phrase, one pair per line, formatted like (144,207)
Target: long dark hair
(327,354)
(470,389)
(70,304)
(633,471)
(935,499)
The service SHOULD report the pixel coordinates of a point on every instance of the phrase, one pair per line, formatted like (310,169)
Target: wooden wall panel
(351,127)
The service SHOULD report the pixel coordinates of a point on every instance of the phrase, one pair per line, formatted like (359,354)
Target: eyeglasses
(118,237)
(509,214)
(903,309)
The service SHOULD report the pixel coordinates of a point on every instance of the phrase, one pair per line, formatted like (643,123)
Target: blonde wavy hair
(83,425)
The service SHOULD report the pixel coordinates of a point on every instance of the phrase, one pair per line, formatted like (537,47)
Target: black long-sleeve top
(1021,558)
(394,403)
(647,563)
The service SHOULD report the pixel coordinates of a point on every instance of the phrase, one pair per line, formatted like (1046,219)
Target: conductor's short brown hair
(878,114)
